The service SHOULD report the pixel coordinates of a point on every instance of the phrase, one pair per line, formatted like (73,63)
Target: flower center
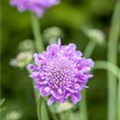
(59,72)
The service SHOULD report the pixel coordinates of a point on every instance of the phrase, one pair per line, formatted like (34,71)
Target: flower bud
(21,60)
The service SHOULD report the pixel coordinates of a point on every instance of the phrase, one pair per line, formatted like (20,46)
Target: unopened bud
(52,34)
(21,60)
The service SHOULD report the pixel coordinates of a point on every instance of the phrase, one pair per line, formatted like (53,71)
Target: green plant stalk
(112,57)
(116,72)
(67,115)
(41,104)
(39,47)
(39,107)
(118,101)
(37,33)
(63,116)
(38,40)
(89,49)
(109,67)
(54,116)
(83,104)
(45,114)
(36,93)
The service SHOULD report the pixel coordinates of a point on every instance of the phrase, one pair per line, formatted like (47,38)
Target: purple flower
(36,6)
(61,72)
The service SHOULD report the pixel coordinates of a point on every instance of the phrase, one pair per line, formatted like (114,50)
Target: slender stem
(45,114)
(118,101)
(36,93)
(112,57)
(109,67)
(37,33)
(38,40)
(39,48)
(83,104)
(89,49)
(39,108)
(64,117)
(54,116)
(116,72)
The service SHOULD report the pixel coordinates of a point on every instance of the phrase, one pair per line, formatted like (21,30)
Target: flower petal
(45,91)
(56,95)
(32,67)
(51,101)
(76,97)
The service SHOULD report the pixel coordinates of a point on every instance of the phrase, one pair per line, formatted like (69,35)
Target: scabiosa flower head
(61,72)
(36,6)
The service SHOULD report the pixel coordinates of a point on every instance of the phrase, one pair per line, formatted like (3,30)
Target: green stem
(109,67)
(116,72)
(112,57)
(45,114)
(89,49)
(38,41)
(39,107)
(37,33)
(118,101)
(36,92)
(54,116)
(39,48)
(83,104)
(64,117)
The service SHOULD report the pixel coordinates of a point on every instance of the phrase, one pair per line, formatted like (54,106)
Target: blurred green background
(71,17)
